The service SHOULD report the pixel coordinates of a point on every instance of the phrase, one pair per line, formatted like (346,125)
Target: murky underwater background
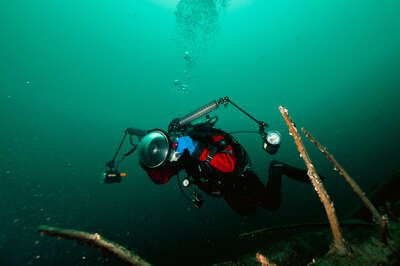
(75,74)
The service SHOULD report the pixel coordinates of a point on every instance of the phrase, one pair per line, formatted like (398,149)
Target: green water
(75,74)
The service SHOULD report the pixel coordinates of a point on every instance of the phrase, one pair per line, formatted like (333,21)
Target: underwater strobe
(272,141)
(111,175)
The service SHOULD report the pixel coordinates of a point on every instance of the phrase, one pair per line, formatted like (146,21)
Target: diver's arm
(161,175)
(222,160)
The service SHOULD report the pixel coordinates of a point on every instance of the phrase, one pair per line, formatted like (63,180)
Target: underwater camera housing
(154,149)
(157,147)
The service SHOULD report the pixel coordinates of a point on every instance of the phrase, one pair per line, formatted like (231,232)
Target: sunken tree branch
(96,240)
(339,245)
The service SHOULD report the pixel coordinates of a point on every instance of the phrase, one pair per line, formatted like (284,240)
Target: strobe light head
(112,176)
(272,141)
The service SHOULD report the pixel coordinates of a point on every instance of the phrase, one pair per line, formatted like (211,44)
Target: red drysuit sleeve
(162,175)
(224,160)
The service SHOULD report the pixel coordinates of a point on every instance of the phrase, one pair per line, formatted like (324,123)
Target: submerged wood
(95,240)
(353,184)
(380,220)
(339,245)
(263,260)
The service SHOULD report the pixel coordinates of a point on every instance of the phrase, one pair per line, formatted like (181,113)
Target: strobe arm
(140,133)
(131,132)
(260,123)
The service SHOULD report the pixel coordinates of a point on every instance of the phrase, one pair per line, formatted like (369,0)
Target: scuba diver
(212,159)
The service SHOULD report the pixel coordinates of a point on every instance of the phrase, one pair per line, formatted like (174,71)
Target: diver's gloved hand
(186,143)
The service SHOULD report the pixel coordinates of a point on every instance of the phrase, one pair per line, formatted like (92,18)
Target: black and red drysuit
(220,167)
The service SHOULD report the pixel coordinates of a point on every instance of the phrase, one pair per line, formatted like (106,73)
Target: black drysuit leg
(276,170)
(245,193)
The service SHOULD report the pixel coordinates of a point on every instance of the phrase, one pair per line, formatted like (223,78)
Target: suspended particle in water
(177,82)
(27,82)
